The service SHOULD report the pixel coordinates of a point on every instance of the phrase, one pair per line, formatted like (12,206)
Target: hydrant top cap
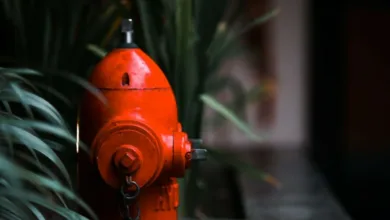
(128,68)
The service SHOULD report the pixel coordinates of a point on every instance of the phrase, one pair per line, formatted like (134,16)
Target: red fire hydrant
(138,148)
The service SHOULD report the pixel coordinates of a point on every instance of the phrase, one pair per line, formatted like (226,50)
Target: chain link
(129,197)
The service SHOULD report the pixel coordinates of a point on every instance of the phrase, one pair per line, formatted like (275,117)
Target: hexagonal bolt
(130,162)
(127,162)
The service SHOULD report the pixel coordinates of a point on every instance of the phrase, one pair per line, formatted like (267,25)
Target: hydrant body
(135,135)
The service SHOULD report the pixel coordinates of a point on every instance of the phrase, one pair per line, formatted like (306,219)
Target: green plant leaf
(29,99)
(216,59)
(98,51)
(185,60)
(10,140)
(9,210)
(55,93)
(260,20)
(74,20)
(45,171)
(16,77)
(56,52)
(100,22)
(35,198)
(7,106)
(36,212)
(168,41)
(20,71)
(237,103)
(43,127)
(164,54)
(33,142)
(54,145)
(10,170)
(148,27)
(256,22)
(17,95)
(8,137)
(229,115)
(84,84)
(224,42)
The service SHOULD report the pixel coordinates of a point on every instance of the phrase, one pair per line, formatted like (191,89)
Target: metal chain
(129,197)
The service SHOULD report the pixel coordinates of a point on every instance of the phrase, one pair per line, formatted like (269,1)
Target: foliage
(28,152)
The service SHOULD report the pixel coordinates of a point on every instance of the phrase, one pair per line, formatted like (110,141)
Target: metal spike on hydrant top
(127,29)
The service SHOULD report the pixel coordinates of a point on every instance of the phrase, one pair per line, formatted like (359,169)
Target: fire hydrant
(137,146)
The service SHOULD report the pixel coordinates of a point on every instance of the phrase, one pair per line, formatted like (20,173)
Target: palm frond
(230,116)
(25,155)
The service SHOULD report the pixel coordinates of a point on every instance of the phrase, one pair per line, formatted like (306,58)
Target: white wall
(288,42)
(289,46)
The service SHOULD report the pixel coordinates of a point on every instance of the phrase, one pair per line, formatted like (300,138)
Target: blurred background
(320,73)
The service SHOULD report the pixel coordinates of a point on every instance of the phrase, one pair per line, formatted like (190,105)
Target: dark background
(350,87)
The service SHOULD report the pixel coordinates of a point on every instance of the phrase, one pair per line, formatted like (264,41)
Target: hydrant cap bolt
(127,161)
